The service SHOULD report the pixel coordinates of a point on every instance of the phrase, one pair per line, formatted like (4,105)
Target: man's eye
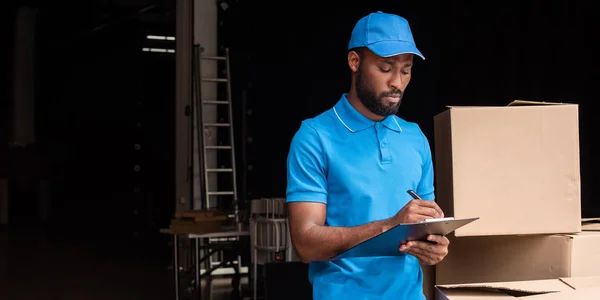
(385,70)
(405,72)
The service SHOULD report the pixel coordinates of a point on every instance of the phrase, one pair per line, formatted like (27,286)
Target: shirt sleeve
(306,167)
(425,189)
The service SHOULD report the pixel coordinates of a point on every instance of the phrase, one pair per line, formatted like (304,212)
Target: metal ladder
(201,125)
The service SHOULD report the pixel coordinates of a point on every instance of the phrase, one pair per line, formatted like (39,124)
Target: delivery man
(349,170)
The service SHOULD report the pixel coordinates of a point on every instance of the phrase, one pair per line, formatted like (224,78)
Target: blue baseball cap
(384,34)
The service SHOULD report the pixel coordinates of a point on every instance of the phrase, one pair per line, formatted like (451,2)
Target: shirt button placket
(384,149)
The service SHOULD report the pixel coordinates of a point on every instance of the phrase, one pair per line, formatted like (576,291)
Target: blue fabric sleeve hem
(306,197)
(427,196)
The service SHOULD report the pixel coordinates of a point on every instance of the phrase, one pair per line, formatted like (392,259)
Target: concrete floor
(45,267)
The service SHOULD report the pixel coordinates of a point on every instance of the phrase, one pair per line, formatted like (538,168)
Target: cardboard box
(562,288)
(590,224)
(515,167)
(518,258)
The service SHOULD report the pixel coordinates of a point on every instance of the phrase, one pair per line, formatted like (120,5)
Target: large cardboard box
(515,167)
(562,288)
(590,224)
(518,258)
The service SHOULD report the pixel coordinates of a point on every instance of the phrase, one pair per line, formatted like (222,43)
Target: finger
(425,247)
(437,208)
(438,239)
(417,253)
(423,259)
(430,207)
(402,246)
(416,217)
(428,212)
(422,256)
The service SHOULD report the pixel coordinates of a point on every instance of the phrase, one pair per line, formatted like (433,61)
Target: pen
(417,197)
(414,195)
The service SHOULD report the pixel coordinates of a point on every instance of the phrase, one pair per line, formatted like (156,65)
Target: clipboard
(388,243)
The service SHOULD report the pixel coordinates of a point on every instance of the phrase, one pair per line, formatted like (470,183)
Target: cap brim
(391,48)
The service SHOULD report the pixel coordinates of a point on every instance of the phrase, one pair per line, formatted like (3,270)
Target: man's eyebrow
(392,62)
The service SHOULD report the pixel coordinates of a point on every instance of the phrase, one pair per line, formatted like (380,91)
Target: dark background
(477,53)
(94,87)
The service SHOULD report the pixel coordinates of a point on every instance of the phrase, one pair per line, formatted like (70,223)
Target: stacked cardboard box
(197,222)
(517,169)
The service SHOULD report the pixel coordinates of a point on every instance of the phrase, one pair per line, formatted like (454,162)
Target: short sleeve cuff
(306,197)
(427,195)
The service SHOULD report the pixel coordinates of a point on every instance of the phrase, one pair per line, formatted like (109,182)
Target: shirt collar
(354,121)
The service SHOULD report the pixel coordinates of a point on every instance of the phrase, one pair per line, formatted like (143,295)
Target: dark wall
(487,53)
(7,19)
(291,62)
(99,95)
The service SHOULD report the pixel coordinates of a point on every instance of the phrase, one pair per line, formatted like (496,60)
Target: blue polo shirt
(361,170)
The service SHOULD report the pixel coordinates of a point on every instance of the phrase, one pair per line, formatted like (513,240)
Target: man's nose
(397,83)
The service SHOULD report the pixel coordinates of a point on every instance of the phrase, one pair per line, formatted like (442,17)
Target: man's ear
(353,61)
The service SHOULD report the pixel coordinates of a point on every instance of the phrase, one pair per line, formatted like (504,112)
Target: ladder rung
(206,79)
(217,124)
(215,102)
(219,170)
(218,147)
(220,193)
(213,57)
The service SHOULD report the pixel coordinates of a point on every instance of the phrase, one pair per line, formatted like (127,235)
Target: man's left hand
(430,253)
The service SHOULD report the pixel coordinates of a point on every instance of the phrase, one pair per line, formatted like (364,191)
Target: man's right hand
(417,211)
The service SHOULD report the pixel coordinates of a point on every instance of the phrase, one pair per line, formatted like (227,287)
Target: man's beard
(374,102)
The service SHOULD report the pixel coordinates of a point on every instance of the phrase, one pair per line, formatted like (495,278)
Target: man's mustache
(393,93)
